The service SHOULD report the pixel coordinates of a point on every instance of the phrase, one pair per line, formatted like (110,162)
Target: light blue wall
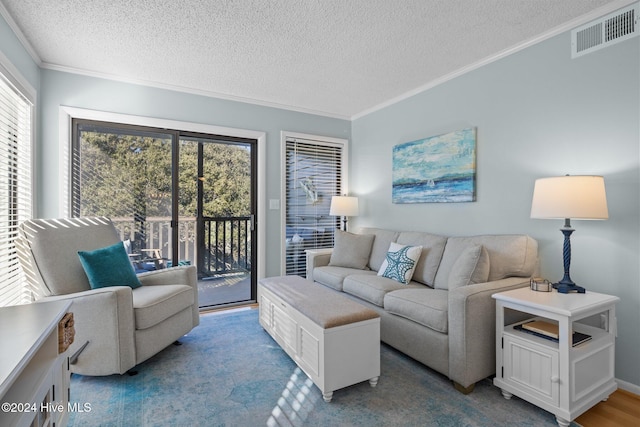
(58,88)
(17,55)
(538,113)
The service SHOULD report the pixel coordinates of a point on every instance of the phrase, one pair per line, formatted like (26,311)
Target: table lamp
(344,206)
(569,197)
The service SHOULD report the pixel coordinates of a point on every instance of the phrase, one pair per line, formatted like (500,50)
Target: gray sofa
(444,316)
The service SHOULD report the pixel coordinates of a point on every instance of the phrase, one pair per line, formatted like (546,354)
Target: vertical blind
(313,174)
(15,187)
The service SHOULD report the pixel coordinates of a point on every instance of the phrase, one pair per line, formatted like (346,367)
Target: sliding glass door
(176,198)
(125,173)
(218,197)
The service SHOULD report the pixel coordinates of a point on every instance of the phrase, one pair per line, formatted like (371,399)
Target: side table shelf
(554,375)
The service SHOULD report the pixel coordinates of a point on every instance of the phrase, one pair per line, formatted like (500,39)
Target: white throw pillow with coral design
(400,262)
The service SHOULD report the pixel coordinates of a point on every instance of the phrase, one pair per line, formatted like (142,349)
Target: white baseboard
(632,388)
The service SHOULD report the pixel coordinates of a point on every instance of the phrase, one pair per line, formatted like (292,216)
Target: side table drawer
(532,368)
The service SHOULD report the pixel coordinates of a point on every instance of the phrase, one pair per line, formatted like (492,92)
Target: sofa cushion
(153,304)
(509,256)
(425,306)
(372,288)
(472,266)
(109,266)
(381,242)
(400,262)
(333,277)
(432,250)
(351,250)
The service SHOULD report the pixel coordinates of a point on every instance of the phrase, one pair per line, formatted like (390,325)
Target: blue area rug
(229,372)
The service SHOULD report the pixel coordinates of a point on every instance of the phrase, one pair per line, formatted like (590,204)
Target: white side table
(34,365)
(556,376)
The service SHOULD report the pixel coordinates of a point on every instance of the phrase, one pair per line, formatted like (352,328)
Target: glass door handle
(252,220)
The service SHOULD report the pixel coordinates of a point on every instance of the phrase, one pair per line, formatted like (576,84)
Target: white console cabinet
(34,366)
(556,376)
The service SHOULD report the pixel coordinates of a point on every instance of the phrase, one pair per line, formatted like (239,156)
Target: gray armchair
(123,326)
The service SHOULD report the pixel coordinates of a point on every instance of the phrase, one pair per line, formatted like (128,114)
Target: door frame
(66,114)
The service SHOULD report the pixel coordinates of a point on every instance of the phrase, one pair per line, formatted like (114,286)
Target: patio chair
(123,326)
(147,260)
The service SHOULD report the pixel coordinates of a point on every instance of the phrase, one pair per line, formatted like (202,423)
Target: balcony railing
(225,244)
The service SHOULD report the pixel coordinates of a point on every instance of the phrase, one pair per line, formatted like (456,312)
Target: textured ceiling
(335,57)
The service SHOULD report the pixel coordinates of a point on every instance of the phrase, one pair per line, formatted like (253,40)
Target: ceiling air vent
(610,29)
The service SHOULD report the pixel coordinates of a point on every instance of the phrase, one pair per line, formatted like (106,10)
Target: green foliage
(127,175)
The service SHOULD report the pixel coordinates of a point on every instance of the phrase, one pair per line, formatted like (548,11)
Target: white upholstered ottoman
(333,339)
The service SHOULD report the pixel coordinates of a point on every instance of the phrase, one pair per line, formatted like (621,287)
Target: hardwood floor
(622,409)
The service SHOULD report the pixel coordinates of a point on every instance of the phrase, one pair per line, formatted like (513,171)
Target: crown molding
(190,90)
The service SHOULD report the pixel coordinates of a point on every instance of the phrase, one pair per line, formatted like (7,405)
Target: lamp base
(566,285)
(564,288)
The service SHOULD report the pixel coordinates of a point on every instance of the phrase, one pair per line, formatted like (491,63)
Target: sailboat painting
(440,169)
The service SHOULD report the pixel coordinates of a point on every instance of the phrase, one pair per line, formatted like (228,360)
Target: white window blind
(15,187)
(313,174)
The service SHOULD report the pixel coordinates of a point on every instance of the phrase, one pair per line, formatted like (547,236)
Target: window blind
(15,187)
(313,174)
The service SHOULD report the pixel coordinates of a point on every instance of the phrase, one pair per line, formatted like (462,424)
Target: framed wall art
(440,169)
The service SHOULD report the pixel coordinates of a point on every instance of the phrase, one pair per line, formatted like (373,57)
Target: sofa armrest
(472,330)
(182,275)
(317,258)
(104,317)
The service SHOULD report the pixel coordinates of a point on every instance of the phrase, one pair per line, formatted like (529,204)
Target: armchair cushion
(109,266)
(153,304)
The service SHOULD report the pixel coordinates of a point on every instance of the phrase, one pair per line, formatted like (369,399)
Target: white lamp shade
(344,206)
(574,197)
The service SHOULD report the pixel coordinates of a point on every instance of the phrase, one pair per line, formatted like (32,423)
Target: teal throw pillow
(109,266)
(400,262)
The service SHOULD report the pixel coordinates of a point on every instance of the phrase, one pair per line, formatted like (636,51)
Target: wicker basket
(66,332)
